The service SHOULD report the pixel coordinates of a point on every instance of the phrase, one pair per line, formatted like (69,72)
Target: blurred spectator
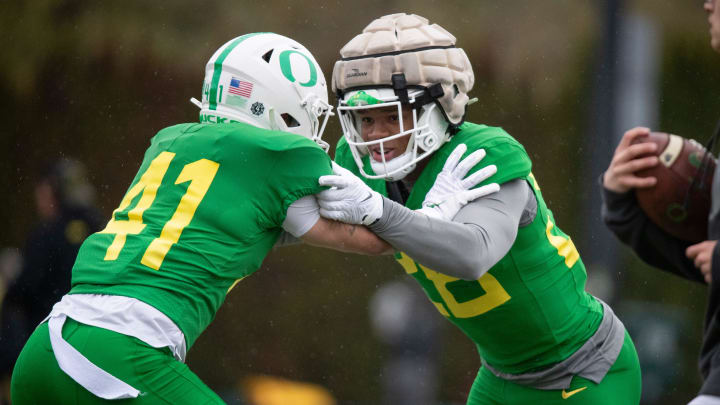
(408,325)
(659,330)
(64,202)
(10,265)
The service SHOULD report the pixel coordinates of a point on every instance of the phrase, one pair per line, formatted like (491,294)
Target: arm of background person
(624,217)
(628,222)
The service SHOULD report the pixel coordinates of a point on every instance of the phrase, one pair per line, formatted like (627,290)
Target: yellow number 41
(200,174)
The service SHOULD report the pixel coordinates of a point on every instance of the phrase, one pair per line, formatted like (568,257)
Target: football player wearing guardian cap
(501,270)
(208,203)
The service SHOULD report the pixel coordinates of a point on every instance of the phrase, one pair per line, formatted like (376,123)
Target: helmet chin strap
(428,95)
(273,121)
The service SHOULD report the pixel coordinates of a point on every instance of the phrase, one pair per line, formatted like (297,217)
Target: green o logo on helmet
(361,98)
(286,67)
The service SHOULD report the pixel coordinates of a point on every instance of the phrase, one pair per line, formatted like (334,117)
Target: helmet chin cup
(394,169)
(402,173)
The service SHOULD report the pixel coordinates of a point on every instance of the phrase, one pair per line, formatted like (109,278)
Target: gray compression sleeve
(301,216)
(478,237)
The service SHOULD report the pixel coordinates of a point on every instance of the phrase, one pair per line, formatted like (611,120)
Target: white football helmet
(269,81)
(402,60)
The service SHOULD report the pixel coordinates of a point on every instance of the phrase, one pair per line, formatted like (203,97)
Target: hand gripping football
(679,203)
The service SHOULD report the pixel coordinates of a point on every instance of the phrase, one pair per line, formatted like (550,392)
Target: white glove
(450,192)
(349,199)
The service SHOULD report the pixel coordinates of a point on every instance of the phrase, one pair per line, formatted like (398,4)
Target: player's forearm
(447,247)
(346,238)
(462,249)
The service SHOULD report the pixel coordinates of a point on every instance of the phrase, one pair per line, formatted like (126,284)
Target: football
(679,203)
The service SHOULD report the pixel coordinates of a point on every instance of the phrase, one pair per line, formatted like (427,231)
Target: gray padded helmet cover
(403,36)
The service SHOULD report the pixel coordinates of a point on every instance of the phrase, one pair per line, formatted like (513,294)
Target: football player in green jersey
(502,270)
(208,203)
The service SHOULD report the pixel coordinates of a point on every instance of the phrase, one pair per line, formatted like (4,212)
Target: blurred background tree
(96,80)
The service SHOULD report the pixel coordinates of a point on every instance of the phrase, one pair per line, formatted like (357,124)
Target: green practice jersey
(205,208)
(530,310)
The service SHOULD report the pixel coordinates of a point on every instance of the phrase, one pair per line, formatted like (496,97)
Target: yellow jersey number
(199,173)
(495,295)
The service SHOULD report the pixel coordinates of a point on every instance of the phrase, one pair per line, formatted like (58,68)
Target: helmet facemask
(318,112)
(426,132)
